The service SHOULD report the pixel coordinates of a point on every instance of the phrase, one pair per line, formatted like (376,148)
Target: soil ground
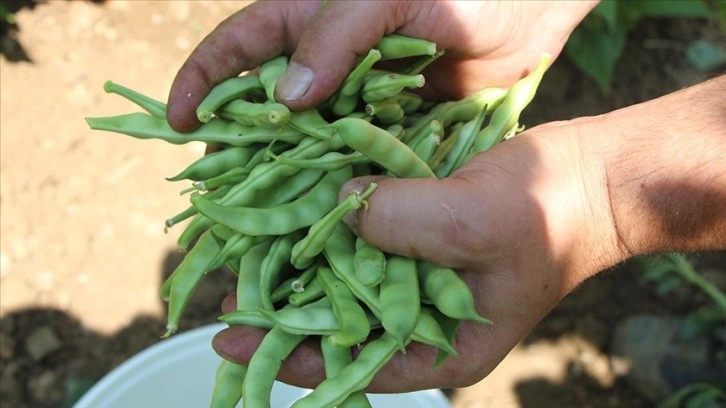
(83,251)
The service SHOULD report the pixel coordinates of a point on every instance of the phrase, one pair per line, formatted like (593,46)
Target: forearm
(665,170)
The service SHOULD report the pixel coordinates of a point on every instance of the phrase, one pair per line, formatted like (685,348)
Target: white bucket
(179,372)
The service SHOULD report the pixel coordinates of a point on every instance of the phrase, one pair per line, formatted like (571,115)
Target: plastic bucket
(179,372)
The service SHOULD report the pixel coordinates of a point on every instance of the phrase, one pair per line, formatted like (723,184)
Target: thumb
(420,218)
(329,47)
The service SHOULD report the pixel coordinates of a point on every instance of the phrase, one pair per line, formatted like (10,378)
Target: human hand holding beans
(523,223)
(487,44)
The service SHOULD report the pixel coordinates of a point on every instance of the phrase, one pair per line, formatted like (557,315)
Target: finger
(442,221)
(327,51)
(229,303)
(243,41)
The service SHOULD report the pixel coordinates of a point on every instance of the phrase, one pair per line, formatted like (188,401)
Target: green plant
(596,45)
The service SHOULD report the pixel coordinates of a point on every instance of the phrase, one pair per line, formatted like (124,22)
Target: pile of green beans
(265,205)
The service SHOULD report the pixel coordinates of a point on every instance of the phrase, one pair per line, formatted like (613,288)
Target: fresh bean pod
(305,251)
(265,115)
(394,46)
(354,326)
(226,91)
(270,72)
(400,299)
(448,292)
(382,148)
(214,164)
(152,106)
(369,263)
(335,359)
(265,364)
(379,87)
(354,377)
(227,391)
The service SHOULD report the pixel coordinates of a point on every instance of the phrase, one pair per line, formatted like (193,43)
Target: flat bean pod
(266,115)
(369,263)
(393,46)
(271,267)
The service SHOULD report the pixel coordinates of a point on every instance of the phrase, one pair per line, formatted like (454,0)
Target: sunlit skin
(524,223)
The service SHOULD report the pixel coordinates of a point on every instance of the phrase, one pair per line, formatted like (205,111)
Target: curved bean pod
(507,114)
(312,292)
(335,359)
(262,370)
(250,318)
(394,46)
(329,161)
(270,72)
(354,325)
(187,277)
(226,91)
(214,164)
(305,251)
(271,266)
(379,87)
(354,377)
(228,380)
(248,281)
(448,292)
(381,147)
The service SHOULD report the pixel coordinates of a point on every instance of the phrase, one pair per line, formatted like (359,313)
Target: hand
(529,220)
(487,44)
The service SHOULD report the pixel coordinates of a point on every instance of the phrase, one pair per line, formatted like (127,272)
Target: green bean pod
(354,377)
(152,106)
(369,263)
(295,284)
(448,292)
(236,247)
(379,87)
(329,161)
(191,210)
(459,152)
(354,326)
(271,267)
(214,164)
(262,370)
(345,101)
(266,115)
(144,126)
(339,252)
(304,320)
(310,293)
(311,123)
(187,277)
(382,148)
(282,219)
(394,46)
(250,318)
(418,66)
(335,359)
(305,251)
(400,299)
(228,178)
(507,114)
(270,72)
(387,111)
(226,91)
(228,380)
(248,281)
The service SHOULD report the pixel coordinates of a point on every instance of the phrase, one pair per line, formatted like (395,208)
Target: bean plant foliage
(596,45)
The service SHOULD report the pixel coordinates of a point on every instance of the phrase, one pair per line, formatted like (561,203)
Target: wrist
(663,168)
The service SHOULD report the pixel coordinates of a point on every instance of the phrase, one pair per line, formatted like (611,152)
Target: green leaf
(595,52)
(667,8)
(608,11)
(705,55)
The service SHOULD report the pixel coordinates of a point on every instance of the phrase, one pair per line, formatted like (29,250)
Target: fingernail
(295,82)
(351,217)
